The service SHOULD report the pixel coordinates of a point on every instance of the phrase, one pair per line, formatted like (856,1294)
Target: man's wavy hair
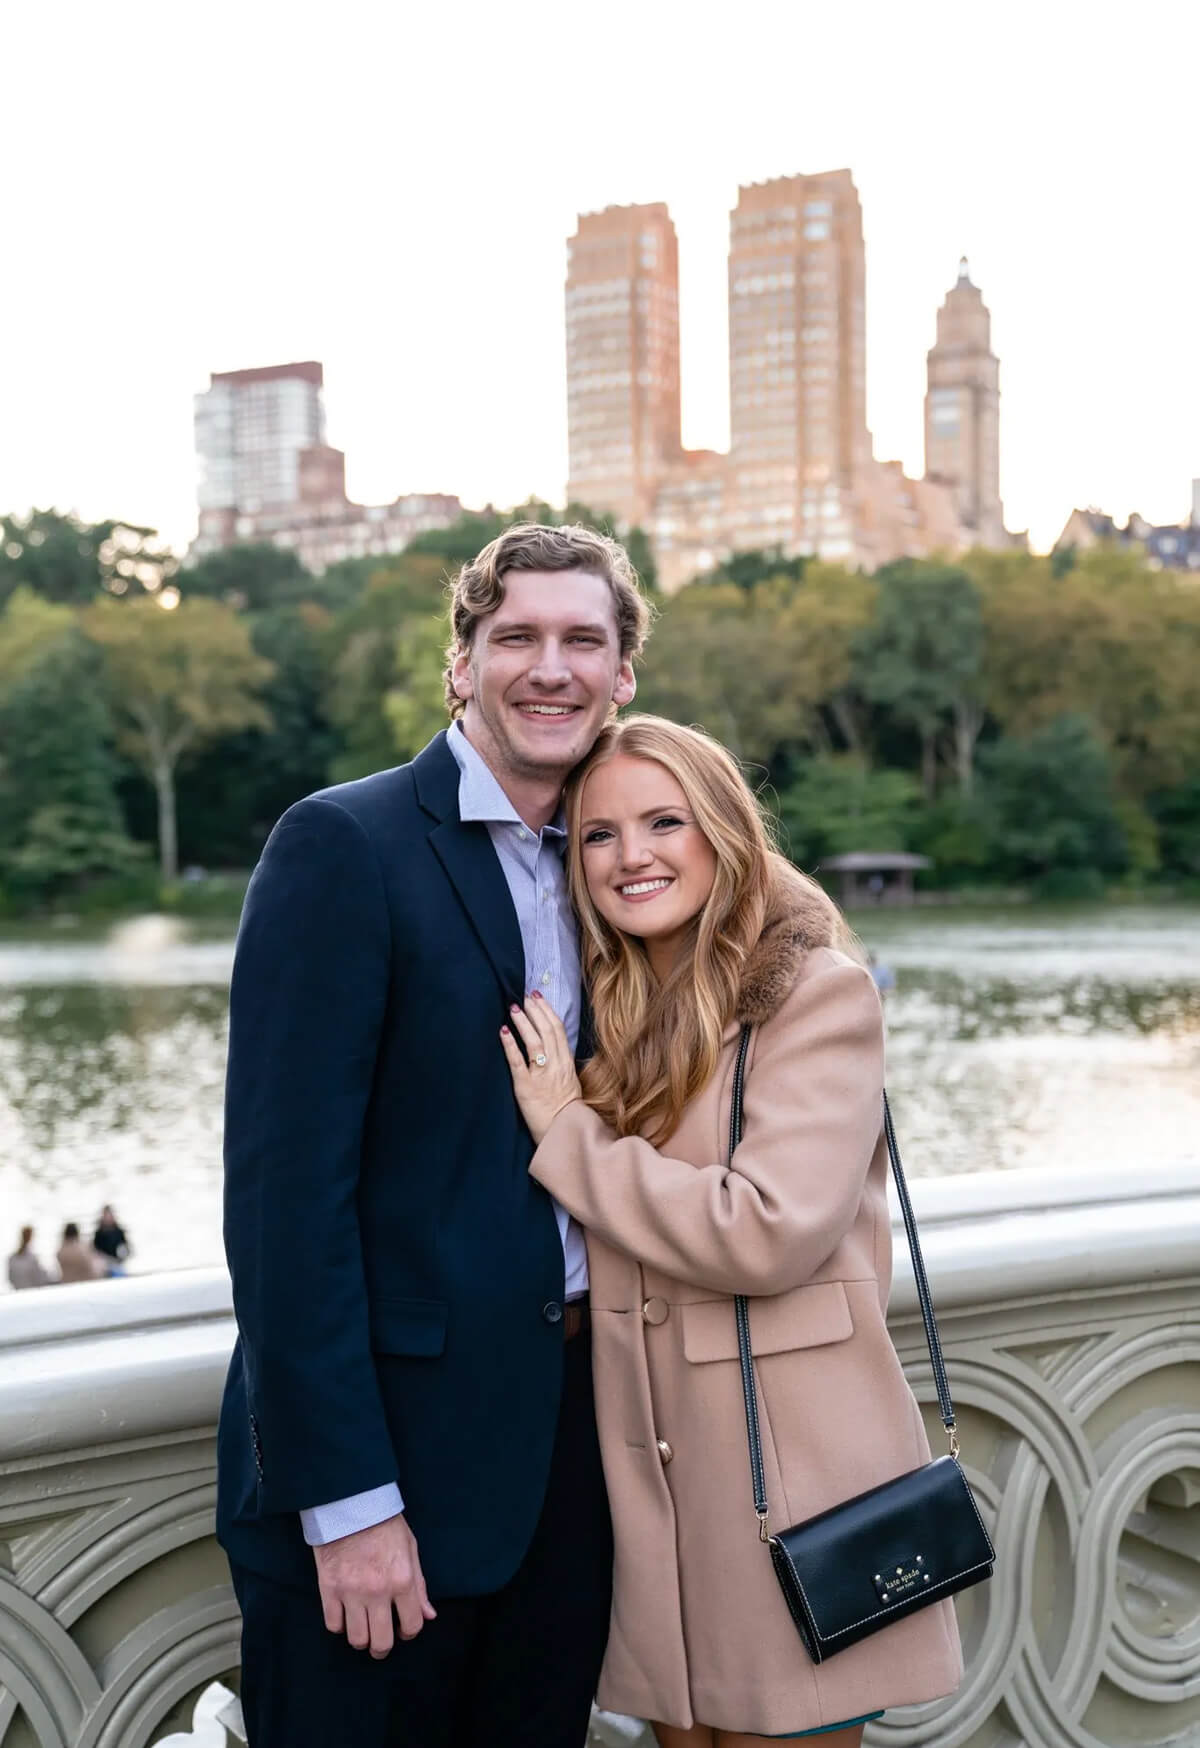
(478,589)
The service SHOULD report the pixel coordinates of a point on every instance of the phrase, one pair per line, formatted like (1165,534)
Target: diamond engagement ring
(540,1060)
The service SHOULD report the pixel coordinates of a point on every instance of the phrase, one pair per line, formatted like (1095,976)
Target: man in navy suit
(410,1490)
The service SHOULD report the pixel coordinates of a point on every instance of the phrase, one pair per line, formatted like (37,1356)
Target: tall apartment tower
(622,358)
(251,427)
(962,412)
(800,450)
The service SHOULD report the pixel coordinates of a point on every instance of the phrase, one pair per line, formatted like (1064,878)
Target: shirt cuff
(345,1517)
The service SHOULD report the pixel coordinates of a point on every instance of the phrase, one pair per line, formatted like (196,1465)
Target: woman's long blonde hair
(657,1045)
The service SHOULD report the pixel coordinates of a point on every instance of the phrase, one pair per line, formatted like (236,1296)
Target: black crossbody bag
(886,1553)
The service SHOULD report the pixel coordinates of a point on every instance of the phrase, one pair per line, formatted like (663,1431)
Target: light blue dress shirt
(533,865)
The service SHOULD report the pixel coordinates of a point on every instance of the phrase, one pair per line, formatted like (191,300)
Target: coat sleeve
(813,1114)
(310,985)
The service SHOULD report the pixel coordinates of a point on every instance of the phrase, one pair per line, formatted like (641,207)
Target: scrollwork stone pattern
(1072,1330)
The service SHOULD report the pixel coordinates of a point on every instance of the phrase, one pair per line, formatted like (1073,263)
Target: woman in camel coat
(692,927)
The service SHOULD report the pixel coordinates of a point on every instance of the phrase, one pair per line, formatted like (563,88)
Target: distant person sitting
(24,1269)
(76,1262)
(110,1238)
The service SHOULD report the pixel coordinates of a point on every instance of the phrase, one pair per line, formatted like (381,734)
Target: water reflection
(1018,1040)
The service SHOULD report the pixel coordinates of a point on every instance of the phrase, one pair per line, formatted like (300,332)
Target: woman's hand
(548,1081)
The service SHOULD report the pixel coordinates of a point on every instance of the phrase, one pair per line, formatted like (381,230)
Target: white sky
(388,188)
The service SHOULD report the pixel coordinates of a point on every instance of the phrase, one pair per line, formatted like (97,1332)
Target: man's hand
(364,1577)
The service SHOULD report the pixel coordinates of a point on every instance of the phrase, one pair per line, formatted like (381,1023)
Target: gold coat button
(656,1311)
(664,1450)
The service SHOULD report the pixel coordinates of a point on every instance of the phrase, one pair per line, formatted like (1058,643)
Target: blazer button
(552,1311)
(664,1451)
(656,1311)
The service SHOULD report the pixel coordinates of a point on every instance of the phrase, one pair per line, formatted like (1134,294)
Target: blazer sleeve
(813,1114)
(310,984)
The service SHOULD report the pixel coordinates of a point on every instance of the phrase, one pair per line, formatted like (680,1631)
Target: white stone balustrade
(1070,1314)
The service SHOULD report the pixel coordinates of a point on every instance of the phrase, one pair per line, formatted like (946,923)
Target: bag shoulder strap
(742,1304)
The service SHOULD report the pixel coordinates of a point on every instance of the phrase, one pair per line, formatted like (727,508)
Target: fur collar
(800,916)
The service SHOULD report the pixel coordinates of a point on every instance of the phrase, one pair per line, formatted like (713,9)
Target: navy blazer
(397,1274)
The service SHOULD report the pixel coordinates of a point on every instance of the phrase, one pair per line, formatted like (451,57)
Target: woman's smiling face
(649,867)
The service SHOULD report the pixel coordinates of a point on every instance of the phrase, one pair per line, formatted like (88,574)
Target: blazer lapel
(466,853)
(471,864)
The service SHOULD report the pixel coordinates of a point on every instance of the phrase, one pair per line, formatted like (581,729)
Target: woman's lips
(642,897)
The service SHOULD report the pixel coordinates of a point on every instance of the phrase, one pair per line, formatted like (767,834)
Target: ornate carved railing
(1070,1310)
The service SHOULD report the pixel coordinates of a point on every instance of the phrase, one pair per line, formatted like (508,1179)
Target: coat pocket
(412,1327)
(805,1317)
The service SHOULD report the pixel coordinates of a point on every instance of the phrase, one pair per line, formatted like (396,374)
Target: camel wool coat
(700,1630)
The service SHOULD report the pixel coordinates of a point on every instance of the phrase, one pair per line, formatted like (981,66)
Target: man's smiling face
(541,673)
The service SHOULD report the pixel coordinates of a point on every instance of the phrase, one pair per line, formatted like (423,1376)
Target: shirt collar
(480,797)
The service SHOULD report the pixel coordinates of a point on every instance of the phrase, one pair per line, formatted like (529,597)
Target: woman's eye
(599,836)
(668,819)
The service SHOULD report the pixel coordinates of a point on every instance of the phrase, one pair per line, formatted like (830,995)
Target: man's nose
(551,667)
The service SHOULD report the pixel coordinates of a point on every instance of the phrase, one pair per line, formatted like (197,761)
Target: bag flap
(881,1552)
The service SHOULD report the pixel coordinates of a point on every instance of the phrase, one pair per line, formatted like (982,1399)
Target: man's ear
(626,686)
(460,675)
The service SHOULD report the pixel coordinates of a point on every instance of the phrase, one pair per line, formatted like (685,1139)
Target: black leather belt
(577,1316)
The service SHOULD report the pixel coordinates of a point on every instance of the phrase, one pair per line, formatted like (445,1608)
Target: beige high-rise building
(622,298)
(962,412)
(800,449)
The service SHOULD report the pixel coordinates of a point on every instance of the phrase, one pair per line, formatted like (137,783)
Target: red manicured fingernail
(504,1031)
(514,1009)
(537,995)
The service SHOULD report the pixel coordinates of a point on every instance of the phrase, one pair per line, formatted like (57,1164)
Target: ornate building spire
(962,411)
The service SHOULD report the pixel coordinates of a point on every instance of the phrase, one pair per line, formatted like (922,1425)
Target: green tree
(374,650)
(1110,639)
(921,659)
(234,789)
(415,703)
(834,805)
(745,570)
(71,562)
(460,542)
(60,821)
(250,578)
(178,680)
(29,625)
(716,664)
(821,623)
(1176,814)
(1052,803)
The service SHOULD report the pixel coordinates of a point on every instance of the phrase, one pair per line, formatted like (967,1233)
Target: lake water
(1023,1038)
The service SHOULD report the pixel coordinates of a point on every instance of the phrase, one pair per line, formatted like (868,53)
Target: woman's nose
(635,852)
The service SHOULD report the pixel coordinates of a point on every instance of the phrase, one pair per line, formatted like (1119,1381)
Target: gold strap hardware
(762,1525)
(952,1434)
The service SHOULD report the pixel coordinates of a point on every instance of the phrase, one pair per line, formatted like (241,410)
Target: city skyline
(800,473)
(422,258)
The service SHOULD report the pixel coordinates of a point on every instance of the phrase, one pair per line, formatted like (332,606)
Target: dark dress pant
(517,1667)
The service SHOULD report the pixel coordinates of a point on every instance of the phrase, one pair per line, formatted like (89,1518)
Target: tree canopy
(1018,720)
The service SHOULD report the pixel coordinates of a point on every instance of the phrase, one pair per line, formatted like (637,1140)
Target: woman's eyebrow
(650,813)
